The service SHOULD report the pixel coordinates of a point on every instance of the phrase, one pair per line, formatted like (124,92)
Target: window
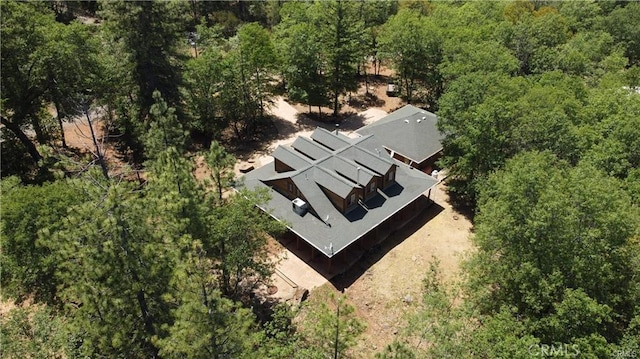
(390,176)
(290,187)
(352,199)
(372,187)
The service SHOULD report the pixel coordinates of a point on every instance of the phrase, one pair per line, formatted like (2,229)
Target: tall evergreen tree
(149,34)
(412,44)
(332,328)
(299,50)
(341,35)
(115,259)
(205,324)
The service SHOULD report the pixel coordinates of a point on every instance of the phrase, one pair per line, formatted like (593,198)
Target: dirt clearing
(386,286)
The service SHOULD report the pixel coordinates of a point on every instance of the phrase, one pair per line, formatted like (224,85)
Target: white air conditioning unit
(299,206)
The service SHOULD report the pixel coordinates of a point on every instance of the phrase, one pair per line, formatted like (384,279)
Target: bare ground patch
(385,288)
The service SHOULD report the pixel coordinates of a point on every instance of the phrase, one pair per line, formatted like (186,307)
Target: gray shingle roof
(325,227)
(409,131)
(310,148)
(330,139)
(290,158)
(332,181)
(351,170)
(378,163)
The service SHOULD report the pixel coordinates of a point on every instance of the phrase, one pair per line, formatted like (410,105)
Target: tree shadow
(366,100)
(461,203)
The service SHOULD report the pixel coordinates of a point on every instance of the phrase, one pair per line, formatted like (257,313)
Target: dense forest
(539,102)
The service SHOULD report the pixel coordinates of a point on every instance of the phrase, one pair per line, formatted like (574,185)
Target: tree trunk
(219,184)
(226,280)
(366,80)
(26,142)
(101,160)
(259,93)
(408,87)
(147,317)
(40,135)
(60,117)
(237,131)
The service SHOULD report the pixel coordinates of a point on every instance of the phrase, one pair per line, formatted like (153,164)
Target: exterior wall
(281,166)
(337,201)
(401,158)
(428,165)
(342,204)
(342,261)
(425,166)
(367,193)
(286,187)
(385,181)
(359,193)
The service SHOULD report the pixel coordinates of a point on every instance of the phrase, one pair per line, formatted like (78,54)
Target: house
(409,135)
(338,195)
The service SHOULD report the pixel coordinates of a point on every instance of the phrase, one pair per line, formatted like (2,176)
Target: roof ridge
(376,155)
(335,175)
(296,153)
(357,165)
(330,133)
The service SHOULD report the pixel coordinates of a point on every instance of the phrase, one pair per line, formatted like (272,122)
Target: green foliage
(149,31)
(396,350)
(412,44)
(502,335)
(550,246)
(332,328)
(341,36)
(615,147)
(477,121)
(533,38)
(221,164)
(32,332)
(203,82)
(541,121)
(257,62)
(299,48)
(205,324)
(29,215)
(145,36)
(164,131)
(42,61)
(73,70)
(622,25)
(247,80)
(438,321)
(114,265)
(237,239)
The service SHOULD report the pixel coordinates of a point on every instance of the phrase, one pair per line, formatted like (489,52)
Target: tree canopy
(538,102)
